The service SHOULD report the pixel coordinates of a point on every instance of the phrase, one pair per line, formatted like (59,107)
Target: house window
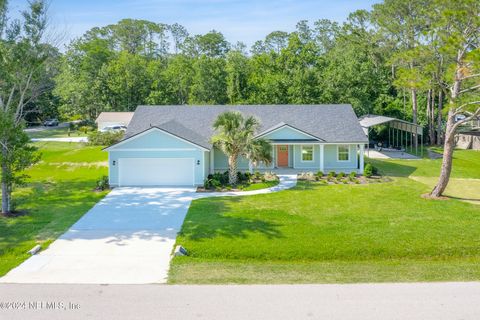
(307,153)
(343,153)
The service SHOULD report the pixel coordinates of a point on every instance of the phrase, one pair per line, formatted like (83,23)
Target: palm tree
(258,151)
(236,137)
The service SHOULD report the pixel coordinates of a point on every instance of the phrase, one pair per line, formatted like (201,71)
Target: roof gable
(284,131)
(154,138)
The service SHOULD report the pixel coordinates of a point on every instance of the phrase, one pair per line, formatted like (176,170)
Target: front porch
(295,157)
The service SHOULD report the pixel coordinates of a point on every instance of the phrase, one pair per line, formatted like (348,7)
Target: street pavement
(423,301)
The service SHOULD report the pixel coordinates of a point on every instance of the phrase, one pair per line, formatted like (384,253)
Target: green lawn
(59,193)
(55,132)
(260,185)
(336,233)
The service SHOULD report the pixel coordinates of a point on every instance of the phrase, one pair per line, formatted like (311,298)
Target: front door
(282,156)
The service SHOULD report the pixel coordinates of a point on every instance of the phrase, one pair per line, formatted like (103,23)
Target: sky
(239,20)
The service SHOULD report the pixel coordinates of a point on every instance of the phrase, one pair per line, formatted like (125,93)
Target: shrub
(340,175)
(352,175)
(221,177)
(102,183)
(306,176)
(104,138)
(243,176)
(368,170)
(319,174)
(270,176)
(84,129)
(211,183)
(257,174)
(331,174)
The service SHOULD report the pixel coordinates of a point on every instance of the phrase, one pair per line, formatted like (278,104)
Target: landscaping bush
(340,175)
(242,177)
(319,174)
(306,176)
(104,138)
(368,170)
(103,184)
(352,175)
(212,183)
(84,129)
(270,176)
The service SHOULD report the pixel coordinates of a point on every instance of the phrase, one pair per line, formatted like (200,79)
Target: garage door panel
(156,171)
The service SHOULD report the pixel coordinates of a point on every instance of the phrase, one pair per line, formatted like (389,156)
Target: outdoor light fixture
(198,162)
(113,162)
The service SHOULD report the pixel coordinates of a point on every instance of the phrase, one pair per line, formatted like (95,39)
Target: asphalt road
(359,301)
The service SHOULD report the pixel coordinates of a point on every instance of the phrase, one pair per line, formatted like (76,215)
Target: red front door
(282,156)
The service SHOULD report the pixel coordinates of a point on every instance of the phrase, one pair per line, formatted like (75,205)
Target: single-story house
(106,119)
(171,145)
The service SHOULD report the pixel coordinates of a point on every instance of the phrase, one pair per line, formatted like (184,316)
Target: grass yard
(59,193)
(55,132)
(260,185)
(338,233)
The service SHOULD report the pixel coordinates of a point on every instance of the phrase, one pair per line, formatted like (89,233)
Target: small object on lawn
(180,251)
(35,249)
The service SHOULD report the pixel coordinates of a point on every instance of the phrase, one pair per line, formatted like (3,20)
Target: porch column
(322,149)
(212,162)
(362,160)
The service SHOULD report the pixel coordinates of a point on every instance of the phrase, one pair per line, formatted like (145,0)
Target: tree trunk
(232,169)
(447,160)
(5,189)
(414,112)
(430,116)
(439,118)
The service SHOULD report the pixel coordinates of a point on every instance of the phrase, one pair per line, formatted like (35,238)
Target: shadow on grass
(308,185)
(209,219)
(50,209)
(392,169)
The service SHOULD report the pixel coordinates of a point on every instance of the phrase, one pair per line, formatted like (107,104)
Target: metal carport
(401,133)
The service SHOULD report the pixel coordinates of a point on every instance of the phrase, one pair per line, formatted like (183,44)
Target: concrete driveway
(126,238)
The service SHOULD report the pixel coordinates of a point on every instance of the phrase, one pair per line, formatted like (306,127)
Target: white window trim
(338,149)
(313,153)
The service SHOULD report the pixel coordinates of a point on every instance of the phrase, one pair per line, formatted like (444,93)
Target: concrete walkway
(375,154)
(387,301)
(127,238)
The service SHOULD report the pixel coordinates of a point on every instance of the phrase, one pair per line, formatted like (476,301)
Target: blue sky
(238,20)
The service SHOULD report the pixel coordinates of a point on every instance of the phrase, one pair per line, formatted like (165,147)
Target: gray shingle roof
(331,123)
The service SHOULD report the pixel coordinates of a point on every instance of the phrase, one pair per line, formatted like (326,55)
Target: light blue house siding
(297,158)
(221,162)
(157,144)
(331,162)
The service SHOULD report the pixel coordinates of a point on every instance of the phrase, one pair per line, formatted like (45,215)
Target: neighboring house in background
(106,119)
(171,145)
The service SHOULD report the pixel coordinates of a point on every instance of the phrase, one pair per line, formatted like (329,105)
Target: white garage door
(156,172)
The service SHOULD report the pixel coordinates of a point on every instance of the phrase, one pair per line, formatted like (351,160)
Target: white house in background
(171,145)
(106,119)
